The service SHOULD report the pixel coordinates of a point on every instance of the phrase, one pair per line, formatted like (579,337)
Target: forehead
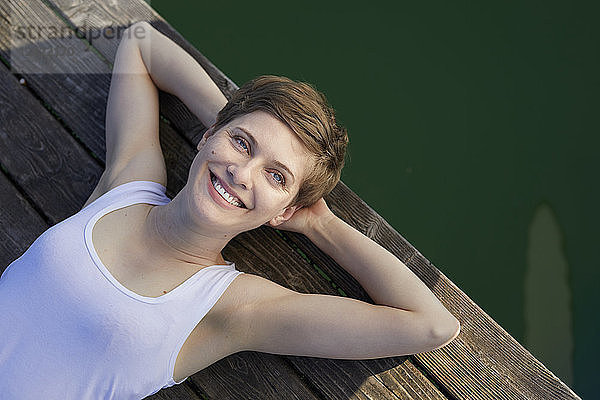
(276,141)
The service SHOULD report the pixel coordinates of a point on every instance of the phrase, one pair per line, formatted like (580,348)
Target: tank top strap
(150,191)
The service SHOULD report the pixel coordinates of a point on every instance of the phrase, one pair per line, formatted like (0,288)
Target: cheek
(213,150)
(220,148)
(272,201)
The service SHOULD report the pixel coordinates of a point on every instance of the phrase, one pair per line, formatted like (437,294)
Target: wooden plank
(40,56)
(42,158)
(98,18)
(252,375)
(20,225)
(77,97)
(489,347)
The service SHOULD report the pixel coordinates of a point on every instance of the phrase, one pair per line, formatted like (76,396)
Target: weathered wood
(84,112)
(20,225)
(40,156)
(244,380)
(77,86)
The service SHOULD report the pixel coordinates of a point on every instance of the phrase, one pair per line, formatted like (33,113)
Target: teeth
(231,199)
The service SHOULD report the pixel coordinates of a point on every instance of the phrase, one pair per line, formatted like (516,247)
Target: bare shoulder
(234,311)
(225,329)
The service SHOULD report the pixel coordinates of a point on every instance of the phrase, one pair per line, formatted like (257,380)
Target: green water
(473,131)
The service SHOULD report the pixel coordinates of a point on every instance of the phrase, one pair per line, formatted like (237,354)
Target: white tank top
(70,330)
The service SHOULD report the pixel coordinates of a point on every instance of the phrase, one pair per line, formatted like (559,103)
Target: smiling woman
(247,171)
(147,298)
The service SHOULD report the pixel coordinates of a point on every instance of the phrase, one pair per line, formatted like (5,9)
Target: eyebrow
(255,144)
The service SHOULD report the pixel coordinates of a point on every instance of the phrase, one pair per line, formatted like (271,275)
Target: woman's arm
(174,71)
(407,318)
(385,278)
(145,60)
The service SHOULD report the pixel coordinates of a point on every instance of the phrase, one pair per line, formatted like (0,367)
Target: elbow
(444,333)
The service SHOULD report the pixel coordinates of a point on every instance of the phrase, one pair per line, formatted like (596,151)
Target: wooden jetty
(54,79)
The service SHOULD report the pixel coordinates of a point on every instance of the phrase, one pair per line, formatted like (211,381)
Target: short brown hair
(306,112)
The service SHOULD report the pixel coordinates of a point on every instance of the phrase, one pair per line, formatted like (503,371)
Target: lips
(227,189)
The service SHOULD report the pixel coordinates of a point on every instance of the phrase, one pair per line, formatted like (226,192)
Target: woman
(132,294)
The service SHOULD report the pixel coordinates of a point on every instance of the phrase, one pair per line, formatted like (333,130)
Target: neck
(171,237)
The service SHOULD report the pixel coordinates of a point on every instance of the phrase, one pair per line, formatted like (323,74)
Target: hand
(305,219)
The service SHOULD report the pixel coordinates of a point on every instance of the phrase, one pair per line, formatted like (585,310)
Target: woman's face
(255,158)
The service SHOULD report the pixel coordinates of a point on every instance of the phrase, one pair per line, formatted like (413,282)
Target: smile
(229,198)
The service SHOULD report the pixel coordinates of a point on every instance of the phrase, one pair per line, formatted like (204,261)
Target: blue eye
(243,142)
(281,181)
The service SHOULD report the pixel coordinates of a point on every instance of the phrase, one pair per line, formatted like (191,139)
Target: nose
(240,175)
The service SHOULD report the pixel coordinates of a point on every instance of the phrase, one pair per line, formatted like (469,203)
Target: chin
(205,212)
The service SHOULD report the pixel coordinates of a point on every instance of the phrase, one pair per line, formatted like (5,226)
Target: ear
(208,133)
(284,216)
